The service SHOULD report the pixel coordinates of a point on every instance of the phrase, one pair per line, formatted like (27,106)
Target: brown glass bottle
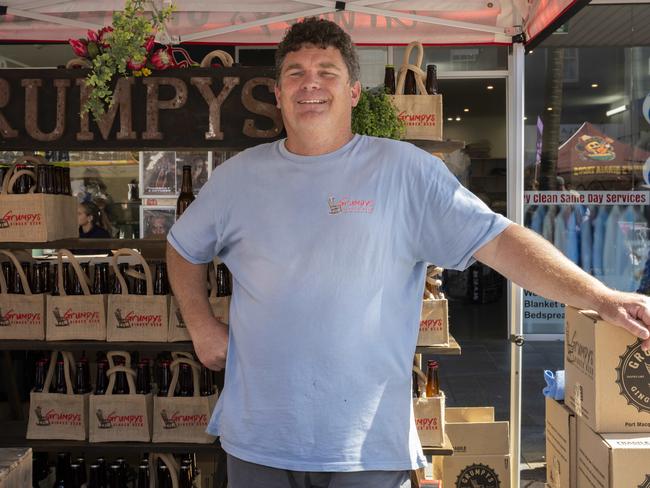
(186,196)
(143,475)
(185,477)
(23,182)
(165,378)
(41,179)
(39,376)
(161,282)
(101,383)
(415,385)
(49,174)
(8,273)
(117,287)
(17,284)
(223,281)
(409,83)
(67,188)
(59,377)
(139,285)
(94,477)
(164,476)
(207,385)
(389,79)
(67,282)
(186,387)
(433,384)
(432,80)
(100,279)
(81,378)
(121,386)
(37,281)
(62,470)
(58,180)
(142,386)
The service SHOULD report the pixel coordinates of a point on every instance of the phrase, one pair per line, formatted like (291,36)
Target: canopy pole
(515,181)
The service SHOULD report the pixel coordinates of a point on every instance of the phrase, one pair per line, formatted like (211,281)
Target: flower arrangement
(126,47)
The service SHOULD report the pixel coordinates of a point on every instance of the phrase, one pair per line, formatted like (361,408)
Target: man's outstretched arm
(536,265)
(209,336)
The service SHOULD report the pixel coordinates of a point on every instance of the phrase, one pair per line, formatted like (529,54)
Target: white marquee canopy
(370,22)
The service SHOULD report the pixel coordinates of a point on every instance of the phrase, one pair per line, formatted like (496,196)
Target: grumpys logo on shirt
(349,205)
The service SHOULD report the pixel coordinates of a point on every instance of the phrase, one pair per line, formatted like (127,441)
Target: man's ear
(355,92)
(276,90)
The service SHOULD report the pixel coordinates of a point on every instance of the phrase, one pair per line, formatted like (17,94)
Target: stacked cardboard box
(481,449)
(608,390)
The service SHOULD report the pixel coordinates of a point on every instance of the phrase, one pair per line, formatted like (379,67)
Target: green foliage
(126,42)
(375,115)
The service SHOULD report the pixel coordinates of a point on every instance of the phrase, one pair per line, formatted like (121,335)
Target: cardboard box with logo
(607,374)
(612,460)
(481,449)
(560,445)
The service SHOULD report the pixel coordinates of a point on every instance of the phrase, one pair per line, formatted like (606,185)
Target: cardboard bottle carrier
(183,419)
(421,114)
(75,317)
(21,316)
(136,317)
(220,308)
(62,416)
(429,415)
(607,378)
(120,418)
(34,217)
(434,316)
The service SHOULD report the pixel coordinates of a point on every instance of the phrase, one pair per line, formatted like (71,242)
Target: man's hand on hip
(211,346)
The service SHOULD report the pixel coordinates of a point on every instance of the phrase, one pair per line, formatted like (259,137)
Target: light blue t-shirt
(328,256)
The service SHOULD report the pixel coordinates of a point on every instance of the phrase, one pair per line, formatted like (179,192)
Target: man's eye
(294,73)
(328,74)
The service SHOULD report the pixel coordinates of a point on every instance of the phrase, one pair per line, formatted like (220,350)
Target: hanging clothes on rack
(599,225)
(572,243)
(586,238)
(549,223)
(537,220)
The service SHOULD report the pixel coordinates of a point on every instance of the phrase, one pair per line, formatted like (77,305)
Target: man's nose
(310,81)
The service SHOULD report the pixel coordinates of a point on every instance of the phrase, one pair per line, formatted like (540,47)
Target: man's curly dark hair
(321,33)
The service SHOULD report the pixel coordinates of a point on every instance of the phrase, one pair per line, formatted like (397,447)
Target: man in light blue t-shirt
(327,235)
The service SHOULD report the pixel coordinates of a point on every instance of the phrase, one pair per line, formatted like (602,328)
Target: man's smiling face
(314,91)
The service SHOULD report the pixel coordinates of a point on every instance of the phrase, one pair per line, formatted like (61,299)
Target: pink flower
(101,35)
(78,47)
(163,58)
(133,66)
(92,36)
(148,46)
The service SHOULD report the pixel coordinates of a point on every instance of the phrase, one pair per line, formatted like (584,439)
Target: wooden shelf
(14,345)
(445,450)
(437,146)
(13,435)
(88,244)
(453,349)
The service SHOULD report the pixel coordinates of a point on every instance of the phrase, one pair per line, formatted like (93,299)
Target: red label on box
(56,417)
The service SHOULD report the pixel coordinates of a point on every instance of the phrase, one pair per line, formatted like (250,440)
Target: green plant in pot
(375,115)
